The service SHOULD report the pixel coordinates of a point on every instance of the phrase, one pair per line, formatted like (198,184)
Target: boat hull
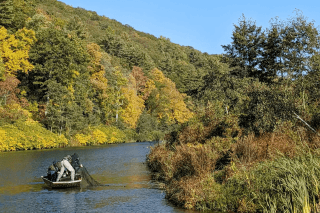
(62,184)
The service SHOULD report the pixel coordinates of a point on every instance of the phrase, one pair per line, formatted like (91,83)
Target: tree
(144,85)
(166,101)
(244,53)
(220,85)
(6,13)
(56,56)
(9,90)
(14,50)
(301,41)
(129,53)
(135,104)
(272,61)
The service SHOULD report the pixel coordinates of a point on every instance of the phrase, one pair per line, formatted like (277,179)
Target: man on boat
(66,163)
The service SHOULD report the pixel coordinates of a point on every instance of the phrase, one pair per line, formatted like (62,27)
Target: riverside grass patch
(284,183)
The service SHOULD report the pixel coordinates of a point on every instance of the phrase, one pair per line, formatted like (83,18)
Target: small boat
(64,183)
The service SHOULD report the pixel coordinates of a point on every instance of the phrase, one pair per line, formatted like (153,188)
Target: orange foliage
(8,90)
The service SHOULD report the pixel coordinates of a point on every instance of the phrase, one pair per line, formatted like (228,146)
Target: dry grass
(252,149)
(183,171)
(191,181)
(183,161)
(285,140)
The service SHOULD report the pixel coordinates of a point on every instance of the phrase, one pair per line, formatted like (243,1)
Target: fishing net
(87,177)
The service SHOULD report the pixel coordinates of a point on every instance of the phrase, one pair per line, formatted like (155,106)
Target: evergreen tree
(6,13)
(244,53)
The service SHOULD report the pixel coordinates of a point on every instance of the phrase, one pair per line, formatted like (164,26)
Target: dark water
(121,167)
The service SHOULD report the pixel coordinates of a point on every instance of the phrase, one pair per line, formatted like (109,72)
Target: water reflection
(120,167)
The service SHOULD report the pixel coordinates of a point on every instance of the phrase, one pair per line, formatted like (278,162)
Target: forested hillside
(83,76)
(77,72)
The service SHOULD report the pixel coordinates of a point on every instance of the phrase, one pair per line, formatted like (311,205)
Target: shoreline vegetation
(275,172)
(21,132)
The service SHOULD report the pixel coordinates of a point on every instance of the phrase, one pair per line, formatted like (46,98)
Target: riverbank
(279,171)
(19,131)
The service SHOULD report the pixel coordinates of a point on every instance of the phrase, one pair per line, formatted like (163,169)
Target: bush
(101,135)
(184,170)
(28,135)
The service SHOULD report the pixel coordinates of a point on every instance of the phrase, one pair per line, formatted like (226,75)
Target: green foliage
(245,49)
(285,49)
(265,107)
(285,185)
(6,13)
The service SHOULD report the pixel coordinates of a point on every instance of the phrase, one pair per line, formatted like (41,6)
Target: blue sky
(202,24)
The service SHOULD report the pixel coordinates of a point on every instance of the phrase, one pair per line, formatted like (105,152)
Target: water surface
(121,168)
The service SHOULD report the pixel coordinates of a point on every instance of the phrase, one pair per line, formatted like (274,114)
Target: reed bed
(275,172)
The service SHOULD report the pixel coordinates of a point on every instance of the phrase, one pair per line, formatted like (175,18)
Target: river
(120,167)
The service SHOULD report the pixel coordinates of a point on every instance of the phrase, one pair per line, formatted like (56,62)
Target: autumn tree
(135,104)
(14,53)
(144,85)
(9,90)
(14,50)
(166,101)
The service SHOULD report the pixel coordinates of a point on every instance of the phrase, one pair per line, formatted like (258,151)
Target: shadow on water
(120,168)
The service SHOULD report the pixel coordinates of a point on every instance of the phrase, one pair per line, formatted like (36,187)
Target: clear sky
(202,24)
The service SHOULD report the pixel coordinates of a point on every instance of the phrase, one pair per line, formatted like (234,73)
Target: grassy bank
(275,172)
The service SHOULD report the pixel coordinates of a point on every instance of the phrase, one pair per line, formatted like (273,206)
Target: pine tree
(244,53)
(6,13)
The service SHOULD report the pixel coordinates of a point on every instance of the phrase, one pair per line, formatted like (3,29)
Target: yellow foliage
(150,86)
(23,137)
(99,136)
(30,122)
(2,139)
(71,89)
(134,108)
(26,133)
(83,139)
(75,73)
(14,50)
(158,76)
(171,101)
(97,71)
(199,145)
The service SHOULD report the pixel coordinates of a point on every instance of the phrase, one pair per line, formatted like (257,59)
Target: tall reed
(282,185)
